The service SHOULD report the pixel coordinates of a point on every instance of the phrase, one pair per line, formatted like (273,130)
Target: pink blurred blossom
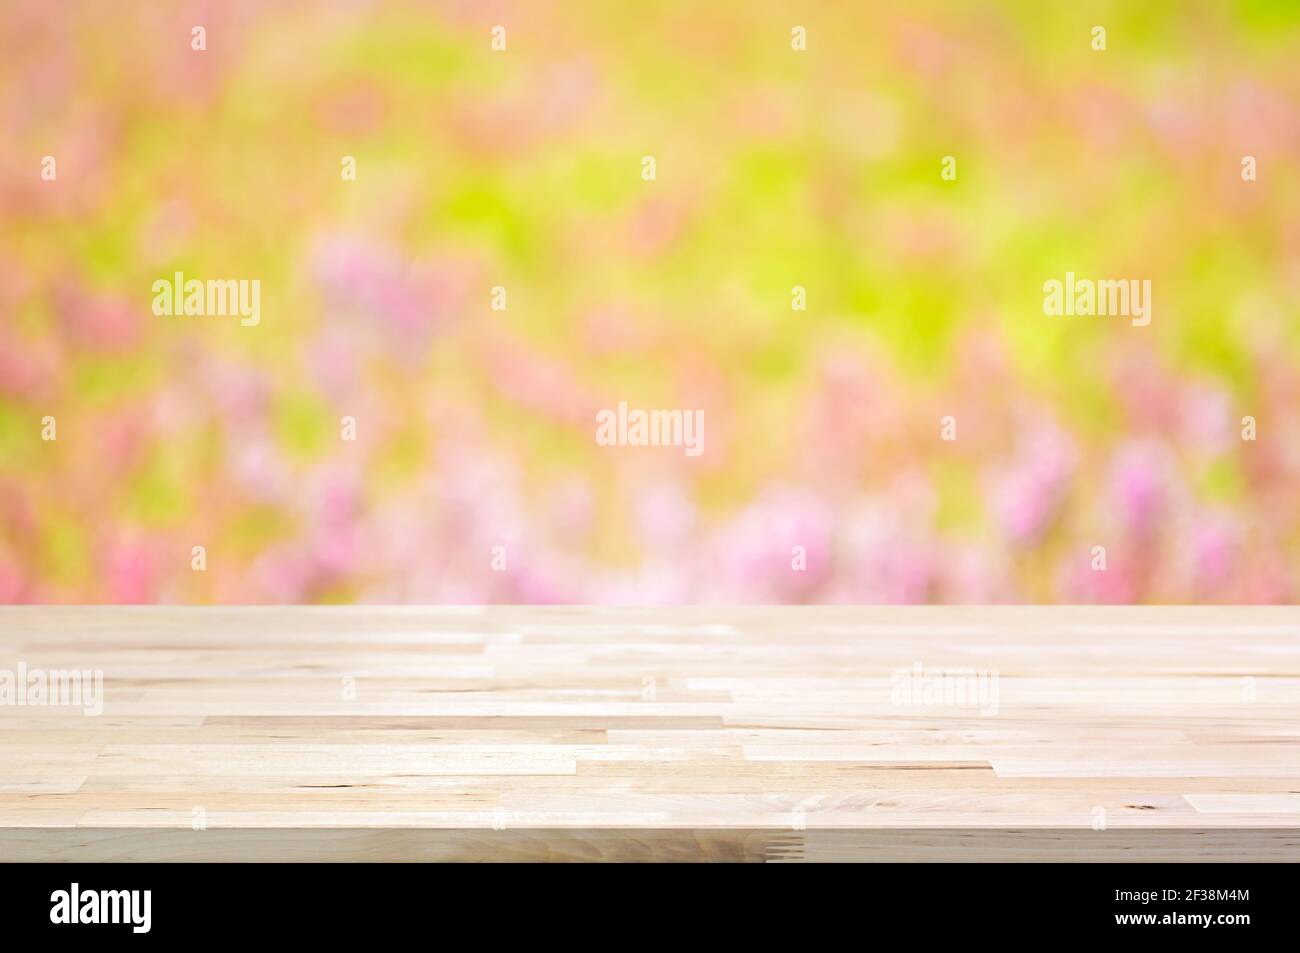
(1214,541)
(544,384)
(121,437)
(129,569)
(407,302)
(27,368)
(258,468)
(1140,481)
(1028,493)
(1207,420)
(241,391)
(754,551)
(665,515)
(1118,583)
(333,513)
(285,574)
(98,322)
(333,360)
(12,584)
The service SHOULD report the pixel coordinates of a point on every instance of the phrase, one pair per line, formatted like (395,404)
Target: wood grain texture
(685,733)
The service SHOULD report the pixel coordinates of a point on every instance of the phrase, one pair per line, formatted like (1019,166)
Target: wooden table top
(373,733)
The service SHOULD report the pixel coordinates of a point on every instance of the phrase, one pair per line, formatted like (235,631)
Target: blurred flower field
(521,169)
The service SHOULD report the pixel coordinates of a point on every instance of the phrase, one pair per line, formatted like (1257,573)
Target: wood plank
(645,733)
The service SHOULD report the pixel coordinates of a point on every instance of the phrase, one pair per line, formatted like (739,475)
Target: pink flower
(285,575)
(257,467)
(332,359)
(757,550)
(1078,581)
(121,438)
(888,547)
(543,582)
(975,574)
(656,582)
(1140,478)
(407,302)
(241,392)
(542,384)
(334,513)
(129,570)
(1213,547)
(1207,418)
(96,322)
(1029,493)
(27,368)
(568,508)
(664,514)
(11,583)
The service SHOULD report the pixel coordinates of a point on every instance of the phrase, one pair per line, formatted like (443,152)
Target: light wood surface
(685,733)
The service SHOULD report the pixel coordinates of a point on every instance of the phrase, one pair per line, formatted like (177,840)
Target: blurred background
(522,168)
